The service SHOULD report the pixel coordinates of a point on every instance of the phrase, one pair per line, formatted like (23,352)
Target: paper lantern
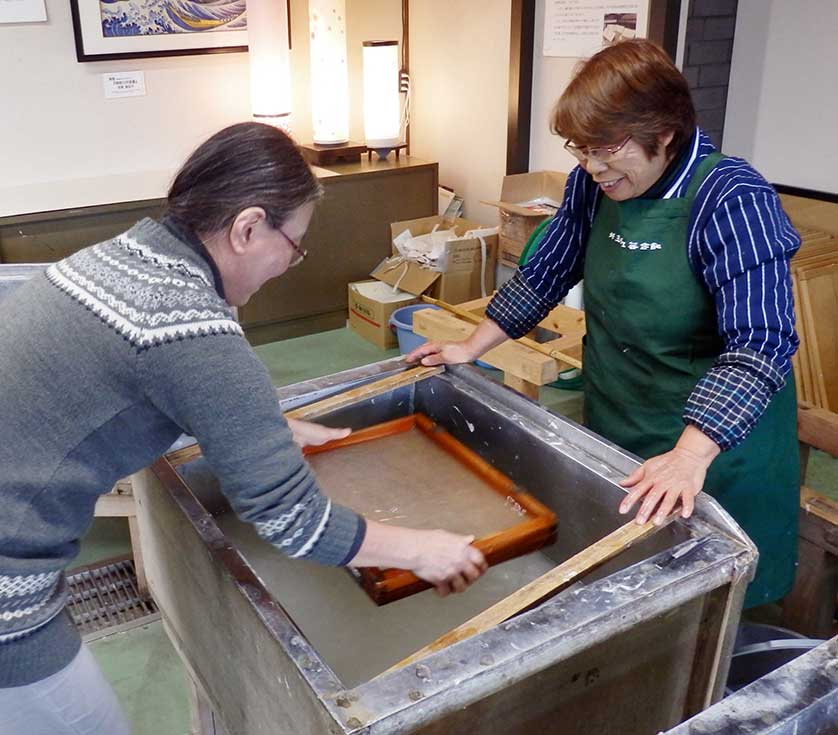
(329,76)
(382,116)
(270,78)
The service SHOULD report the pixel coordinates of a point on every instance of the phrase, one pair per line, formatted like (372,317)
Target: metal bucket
(761,649)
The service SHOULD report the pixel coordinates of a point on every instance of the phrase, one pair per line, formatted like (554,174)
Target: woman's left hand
(308,434)
(664,480)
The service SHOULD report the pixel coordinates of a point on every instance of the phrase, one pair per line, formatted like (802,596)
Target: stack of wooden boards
(815,283)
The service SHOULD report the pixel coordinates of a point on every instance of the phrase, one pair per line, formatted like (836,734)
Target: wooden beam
(115,506)
(361,393)
(524,387)
(818,428)
(548,348)
(545,586)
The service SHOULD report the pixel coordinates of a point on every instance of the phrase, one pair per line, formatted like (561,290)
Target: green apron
(652,332)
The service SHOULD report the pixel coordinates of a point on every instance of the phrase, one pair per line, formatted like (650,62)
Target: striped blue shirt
(739,245)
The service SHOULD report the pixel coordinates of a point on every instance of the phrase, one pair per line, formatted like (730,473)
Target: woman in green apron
(690,321)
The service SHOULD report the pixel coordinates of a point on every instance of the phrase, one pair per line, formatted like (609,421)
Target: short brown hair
(630,88)
(244,165)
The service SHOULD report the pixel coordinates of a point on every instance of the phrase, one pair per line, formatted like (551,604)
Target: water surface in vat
(356,638)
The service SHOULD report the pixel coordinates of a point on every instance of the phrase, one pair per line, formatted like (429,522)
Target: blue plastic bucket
(402,321)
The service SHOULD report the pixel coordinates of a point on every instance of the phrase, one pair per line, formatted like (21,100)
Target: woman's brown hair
(631,88)
(245,165)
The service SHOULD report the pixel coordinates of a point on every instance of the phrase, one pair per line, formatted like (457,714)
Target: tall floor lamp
(270,73)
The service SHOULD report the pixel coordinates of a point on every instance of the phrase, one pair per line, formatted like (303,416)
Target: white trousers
(74,701)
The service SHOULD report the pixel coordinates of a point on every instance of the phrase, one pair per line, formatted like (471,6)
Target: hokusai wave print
(158,17)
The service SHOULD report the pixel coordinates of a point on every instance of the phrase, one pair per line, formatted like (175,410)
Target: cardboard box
(371,303)
(465,265)
(526,200)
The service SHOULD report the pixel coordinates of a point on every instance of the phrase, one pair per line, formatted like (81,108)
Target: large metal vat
(800,698)
(640,645)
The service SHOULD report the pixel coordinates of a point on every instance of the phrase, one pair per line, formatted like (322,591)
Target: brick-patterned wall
(709,47)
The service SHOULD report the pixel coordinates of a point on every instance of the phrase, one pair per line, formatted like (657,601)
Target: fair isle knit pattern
(146,296)
(107,358)
(29,597)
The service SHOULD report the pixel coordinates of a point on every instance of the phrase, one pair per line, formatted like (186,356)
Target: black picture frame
(91,45)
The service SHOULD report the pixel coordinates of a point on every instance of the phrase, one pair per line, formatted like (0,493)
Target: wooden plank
(819,291)
(562,319)
(818,428)
(805,389)
(810,606)
(363,392)
(510,356)
(545,586)
(811,213)
(524,387)
(565,320)
(137,550)
(795,366)
(821,507)
(115,506)
(818,394)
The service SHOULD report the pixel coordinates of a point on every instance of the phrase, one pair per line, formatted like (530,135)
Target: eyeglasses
(300,254)
(601,154)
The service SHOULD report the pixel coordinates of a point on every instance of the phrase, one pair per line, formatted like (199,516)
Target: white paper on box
(382,292)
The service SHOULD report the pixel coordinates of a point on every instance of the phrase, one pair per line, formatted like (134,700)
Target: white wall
(63,145)
(459,62)
(782,109)
(550,76)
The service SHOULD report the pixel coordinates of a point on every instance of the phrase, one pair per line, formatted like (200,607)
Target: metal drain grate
(106,598)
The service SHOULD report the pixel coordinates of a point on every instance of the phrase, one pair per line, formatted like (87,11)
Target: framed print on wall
(136,29)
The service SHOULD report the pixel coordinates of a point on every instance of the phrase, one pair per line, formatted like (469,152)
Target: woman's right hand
(442,353)
(480,341)
(447,560)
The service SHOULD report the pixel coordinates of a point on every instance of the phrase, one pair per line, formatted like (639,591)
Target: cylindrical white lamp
(270,78)
(329,75)
(382,117)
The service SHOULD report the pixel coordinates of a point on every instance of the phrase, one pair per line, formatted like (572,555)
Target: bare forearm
(487,336)
(446,560)
(387,546)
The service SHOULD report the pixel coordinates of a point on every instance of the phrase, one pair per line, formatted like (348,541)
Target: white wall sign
(123,84)
(580,28)
(22,11)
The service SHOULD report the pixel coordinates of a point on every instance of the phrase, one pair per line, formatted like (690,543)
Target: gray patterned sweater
(106,359)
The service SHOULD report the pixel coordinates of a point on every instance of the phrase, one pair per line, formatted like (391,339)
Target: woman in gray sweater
(111,354)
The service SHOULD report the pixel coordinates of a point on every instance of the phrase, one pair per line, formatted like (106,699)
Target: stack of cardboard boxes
(468,273)
(468,270)
(526,200)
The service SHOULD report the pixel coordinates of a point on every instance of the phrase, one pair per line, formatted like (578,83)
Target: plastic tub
(402,321)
